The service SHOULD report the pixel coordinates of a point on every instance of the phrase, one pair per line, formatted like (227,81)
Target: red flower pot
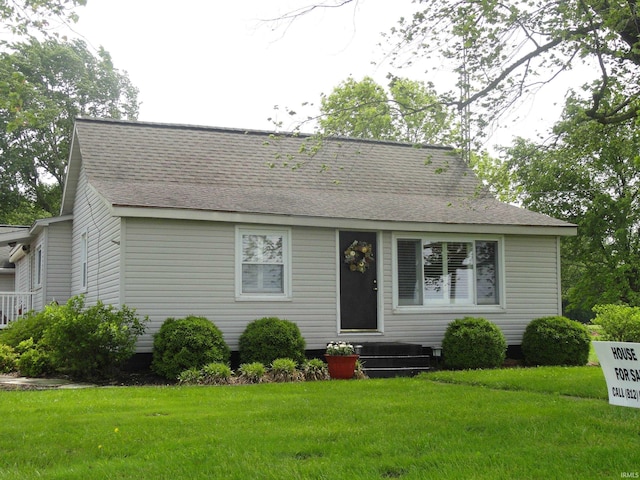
(341,366)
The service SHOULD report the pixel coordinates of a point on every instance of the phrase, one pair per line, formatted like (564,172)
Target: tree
(509,49)
(407,112)
(43,87)
(505,50)
(20,17)
(589,176)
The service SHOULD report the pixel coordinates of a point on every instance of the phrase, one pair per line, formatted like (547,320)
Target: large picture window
(434,272)
(262,263)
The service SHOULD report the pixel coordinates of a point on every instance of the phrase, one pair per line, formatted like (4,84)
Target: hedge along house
(237,225)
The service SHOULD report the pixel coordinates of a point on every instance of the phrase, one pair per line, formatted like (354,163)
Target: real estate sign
(620,362)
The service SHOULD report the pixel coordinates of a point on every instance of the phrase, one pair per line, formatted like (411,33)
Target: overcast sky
(218,63)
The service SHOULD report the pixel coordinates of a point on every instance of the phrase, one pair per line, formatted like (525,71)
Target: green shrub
(315,369)
(31,325)
(216,374)
(35,362)
(191,376)
(8,359)
(285,370)
(473,343)
(555,341)
(92,342)
(619,323)
(269,338)
(25,345)
(252,372)
(188,342)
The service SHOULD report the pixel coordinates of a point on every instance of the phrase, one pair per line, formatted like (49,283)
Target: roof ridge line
(249,131)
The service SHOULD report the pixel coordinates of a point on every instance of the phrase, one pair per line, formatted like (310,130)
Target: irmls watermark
(629,474)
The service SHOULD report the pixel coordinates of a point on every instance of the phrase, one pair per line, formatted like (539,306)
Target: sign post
(620,363)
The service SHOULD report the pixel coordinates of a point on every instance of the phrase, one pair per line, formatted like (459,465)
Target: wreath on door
(359,256)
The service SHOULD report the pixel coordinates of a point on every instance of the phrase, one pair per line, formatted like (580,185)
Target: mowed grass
(543,423)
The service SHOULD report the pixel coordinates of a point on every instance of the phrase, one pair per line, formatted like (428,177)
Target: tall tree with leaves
(510,49)
(590,177)
(43,87)
(504,51)
(408,112)
(21,17)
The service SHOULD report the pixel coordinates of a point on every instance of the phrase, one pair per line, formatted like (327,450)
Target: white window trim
(84,260)
(39,264)
(441,307)
(286,295)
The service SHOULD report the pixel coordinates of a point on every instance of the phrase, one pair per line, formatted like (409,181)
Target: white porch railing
(13,305)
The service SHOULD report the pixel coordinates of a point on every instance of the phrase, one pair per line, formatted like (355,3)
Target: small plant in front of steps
(315,369)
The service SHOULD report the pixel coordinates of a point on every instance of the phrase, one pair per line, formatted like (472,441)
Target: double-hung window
(437,272)
(263,264)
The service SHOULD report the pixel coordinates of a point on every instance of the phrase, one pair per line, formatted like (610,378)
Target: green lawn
(519,423)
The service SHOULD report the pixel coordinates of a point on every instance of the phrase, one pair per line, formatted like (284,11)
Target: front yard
(519,423)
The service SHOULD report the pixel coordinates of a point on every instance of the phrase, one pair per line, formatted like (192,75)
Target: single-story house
(359,240)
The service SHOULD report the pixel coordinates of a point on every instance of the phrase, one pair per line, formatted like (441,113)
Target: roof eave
(565,229)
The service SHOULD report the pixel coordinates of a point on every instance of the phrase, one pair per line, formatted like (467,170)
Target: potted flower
(341,360)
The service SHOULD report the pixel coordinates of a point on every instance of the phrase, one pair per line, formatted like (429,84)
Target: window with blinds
(447,272)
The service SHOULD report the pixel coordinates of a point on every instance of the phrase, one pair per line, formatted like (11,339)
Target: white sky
(213,62)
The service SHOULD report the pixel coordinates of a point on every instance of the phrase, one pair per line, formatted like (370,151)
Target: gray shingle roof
(134,164)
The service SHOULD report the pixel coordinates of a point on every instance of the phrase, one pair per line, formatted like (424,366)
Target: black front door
(358,282)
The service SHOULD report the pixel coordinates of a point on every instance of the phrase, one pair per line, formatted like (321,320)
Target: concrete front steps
(393,359)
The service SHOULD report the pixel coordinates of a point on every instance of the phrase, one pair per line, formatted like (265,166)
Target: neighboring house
(8,305)
(236,225)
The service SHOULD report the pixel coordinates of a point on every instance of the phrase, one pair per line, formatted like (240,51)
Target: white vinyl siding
(23,274)
(58,267)
(7,282)
(92,216)
(530,283)
(174,268)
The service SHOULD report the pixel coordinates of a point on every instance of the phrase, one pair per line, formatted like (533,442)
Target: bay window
(433,272)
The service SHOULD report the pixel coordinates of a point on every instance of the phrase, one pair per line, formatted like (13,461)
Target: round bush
(269,338)
(185,343)
(473,343)
(620,323)
(555,341)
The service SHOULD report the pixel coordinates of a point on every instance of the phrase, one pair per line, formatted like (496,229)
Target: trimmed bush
(471,343)
(269,338)
(8,359)
(620,323)
(92,342)
(185,343)
(555,341)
